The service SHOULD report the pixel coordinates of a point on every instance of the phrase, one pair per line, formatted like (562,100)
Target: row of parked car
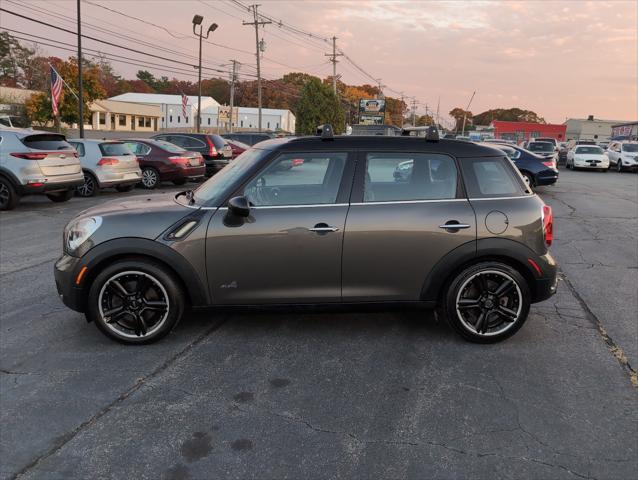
(33,162)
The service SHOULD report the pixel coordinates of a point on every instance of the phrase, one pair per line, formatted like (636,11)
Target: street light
(197,21)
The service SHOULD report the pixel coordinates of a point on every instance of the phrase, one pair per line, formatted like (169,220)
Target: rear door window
(46,141)
(115,149)
(138,148)
(491,177)
(409,176)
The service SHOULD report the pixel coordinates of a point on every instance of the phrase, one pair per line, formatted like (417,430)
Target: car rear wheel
(59,197)
(124,188)
(135,302)
(150,178)
(529,181)
(8,195)
(487,302)
(90,188)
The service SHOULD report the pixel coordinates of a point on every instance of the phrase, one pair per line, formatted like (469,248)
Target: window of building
(409,176)
(179,119)
(171,118)
(147,122)
(268,125)
(102,118)
(140,121)
(242,123)
(209,120)
(277,124)
(122,120)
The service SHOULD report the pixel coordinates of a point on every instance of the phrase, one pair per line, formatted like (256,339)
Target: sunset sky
(561,59)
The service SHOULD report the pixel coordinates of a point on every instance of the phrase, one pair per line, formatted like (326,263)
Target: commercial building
(124,116)
(246,118)
(522,131)
(590,128)
(625,131)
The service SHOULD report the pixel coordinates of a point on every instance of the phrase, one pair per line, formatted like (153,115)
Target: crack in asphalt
(424,443)
(70,435)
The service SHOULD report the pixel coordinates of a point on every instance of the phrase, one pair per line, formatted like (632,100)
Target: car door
(289,249)
(400,224)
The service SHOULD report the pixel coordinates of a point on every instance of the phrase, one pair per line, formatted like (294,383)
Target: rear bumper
(47,187)
(188,173)
(546,177)
(111,179)
(545,285)
(213,165)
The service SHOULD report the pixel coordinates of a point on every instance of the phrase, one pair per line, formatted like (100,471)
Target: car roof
(25,132)
(95,140)
(457,148)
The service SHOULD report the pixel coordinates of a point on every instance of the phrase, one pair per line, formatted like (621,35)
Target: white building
(171,107)
(589,128)
(173,118)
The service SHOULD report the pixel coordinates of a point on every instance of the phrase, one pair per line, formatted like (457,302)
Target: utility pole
(402,112)
(334,61)
(466,110)
(438,106)
(197,22)
(80,89)
(233,79)
(414,102)
(380,85)
(256,23)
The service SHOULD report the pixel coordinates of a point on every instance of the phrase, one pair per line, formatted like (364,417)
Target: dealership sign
(371,111)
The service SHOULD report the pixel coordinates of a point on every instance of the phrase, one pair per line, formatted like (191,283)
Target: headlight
(79,231)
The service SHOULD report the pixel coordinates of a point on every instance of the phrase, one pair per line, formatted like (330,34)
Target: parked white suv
(33,162)
(106,164)
(623,155)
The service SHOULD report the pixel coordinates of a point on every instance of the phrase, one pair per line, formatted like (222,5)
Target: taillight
(549,164)
(30,156)
(548,225)
(179,160)
(212,151)
(107,161)
(297,162)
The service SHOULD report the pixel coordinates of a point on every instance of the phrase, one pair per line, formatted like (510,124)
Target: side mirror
(239,206)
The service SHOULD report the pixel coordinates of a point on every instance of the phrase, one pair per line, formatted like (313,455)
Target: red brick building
(521,131)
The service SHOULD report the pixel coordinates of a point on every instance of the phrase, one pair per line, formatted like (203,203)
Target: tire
(90,188)
(60,197)
(529,180)
(465,304)
(180,181)
(141,279)
(8,196)
(619,168)
(150,178)
(124,188)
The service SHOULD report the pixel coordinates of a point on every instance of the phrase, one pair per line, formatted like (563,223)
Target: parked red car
(163,161)
(237,147)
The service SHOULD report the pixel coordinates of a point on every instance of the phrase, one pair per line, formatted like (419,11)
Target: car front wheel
(487,302)
(135,302)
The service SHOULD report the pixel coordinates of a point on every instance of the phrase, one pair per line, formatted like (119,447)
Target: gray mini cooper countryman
(328,219)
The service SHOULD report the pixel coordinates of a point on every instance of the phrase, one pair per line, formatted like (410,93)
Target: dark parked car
(213,148)
(462,232)
(248,138)
(536,170)
(163,161)
(237,147)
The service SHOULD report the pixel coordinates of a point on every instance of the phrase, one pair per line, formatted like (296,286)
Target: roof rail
(431,132)
(325,132)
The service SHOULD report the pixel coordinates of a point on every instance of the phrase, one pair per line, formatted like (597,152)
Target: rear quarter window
(491,177)
(218,141)
(46,141)
(79,147)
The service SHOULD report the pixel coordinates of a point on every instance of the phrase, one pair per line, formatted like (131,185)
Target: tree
(298,78)
(14,58)
(39,105)
(395,109)
(318,105)
(159,85)
(509,115)
(459,114)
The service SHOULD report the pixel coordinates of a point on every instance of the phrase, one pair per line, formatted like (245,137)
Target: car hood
(144,216)
(590,156)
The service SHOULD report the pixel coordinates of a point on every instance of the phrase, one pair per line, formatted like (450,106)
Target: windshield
(540,147)
(169,147)
(590,150)
(630,147)
(215,188)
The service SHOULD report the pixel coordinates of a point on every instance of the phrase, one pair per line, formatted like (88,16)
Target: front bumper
(65,271)
(593,165)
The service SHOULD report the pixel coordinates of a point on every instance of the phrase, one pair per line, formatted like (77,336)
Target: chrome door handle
(322,228)
(454,226)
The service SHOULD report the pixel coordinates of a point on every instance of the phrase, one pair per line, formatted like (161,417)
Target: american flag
(184,104)
(56,90)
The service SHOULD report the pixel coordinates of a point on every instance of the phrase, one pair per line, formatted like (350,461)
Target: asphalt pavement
(384,394)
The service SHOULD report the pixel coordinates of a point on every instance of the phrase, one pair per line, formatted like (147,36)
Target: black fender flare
(514,253)
(112,250)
